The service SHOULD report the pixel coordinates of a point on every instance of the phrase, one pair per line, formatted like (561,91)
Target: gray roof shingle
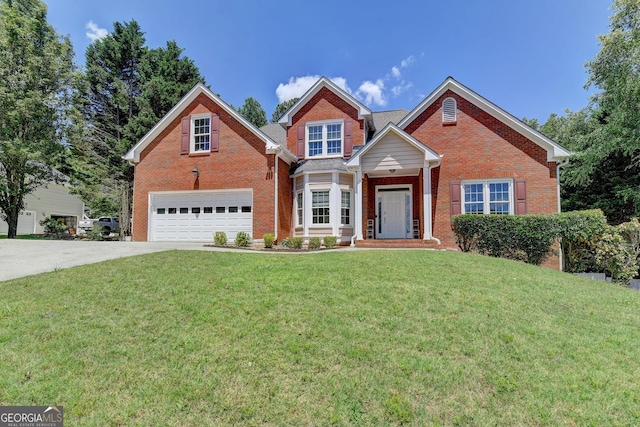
(276,132)
(383,118)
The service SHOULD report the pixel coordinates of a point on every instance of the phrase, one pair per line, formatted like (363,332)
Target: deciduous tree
(36,68)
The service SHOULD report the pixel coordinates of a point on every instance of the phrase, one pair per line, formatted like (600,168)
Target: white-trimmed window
(320,207)
(325,139)
(449,108)
(299,208)
(487,197)
(200,133)
(345,208)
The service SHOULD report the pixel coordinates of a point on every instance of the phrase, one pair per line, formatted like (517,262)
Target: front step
(398,244)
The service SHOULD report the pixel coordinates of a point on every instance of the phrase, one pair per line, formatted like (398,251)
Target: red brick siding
(479,146)
(285,201)
(325,105)
(240,163)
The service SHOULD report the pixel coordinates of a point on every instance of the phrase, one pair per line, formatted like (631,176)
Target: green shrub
(53,226)
(314,243)
(96,233)
(295,242)
(616,257)
(243,239)
(528,238)
(220,238)
(285,243)
(268,240)
(580,232)
(330,241)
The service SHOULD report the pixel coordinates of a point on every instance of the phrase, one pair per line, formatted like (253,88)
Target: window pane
(195,210)
(184,210)
(499,208)
(172,210)
(315,133)
(334,139)
(246,209)
(233,209)
(315,148)
(220,209)
(320,207)
(473,198)
(499,198)
(346,208)
(208,209)
(201,134)
(161,211)
(299,207)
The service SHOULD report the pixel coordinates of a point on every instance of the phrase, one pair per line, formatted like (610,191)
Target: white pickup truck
(109,224)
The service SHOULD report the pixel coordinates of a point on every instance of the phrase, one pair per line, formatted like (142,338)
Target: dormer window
(324,139)
(449,111)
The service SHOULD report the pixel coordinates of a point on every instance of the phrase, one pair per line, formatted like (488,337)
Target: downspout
(558,166)
(275,201)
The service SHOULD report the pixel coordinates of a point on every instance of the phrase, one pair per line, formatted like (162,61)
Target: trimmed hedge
(527,238)
(530,238)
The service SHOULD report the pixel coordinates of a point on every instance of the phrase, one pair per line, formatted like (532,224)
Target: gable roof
(271,146)
(429,154)
(323,82)
(555,152)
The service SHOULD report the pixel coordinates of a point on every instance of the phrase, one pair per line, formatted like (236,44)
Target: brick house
(331,166)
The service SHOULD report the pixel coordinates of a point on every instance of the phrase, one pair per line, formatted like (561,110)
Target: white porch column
(426,195)
(358,201)
(306,202)
(335,204)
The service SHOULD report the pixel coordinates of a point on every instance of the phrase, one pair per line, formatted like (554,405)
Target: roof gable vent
(449,110)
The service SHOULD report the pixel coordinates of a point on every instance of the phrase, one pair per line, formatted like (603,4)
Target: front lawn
(342,338)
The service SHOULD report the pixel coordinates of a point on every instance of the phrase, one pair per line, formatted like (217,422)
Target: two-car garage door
(196,216)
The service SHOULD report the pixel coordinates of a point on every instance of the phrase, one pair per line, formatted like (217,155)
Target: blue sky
(526,56)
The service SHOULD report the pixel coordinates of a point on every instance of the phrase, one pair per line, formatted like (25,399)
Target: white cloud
(396,72)
(372,92)
(402,87)
(297,86)
(95,32)
(408,61)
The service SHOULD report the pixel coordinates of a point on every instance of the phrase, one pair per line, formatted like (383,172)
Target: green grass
(342,338)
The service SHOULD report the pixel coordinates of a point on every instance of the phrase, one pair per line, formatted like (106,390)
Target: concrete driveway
(19,258)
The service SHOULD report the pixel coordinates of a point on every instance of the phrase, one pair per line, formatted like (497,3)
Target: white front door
(394,214)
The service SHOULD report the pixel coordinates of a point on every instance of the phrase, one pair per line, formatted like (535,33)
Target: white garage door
(195,217)
(26,223)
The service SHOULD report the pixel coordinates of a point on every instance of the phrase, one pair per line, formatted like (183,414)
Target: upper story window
(449,110)
(487,197)
(325,139)
(200,134)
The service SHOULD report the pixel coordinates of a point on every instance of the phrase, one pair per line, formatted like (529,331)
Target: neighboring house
(331,166)
(53,201)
